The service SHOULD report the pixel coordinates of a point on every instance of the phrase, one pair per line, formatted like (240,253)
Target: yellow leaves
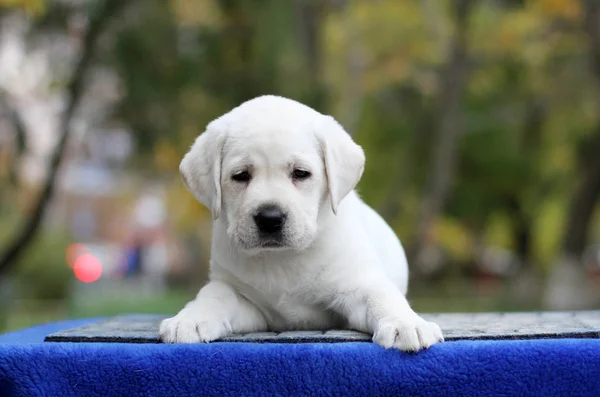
(453,237)
(548,230)
(166,157)
(397,68)
(394,69)
(568,9)
(196,109)
(187,213)
(516,28)
(561,158)
(32,7)
(527,35)
(483,81)
(385,23)
(498,233)
(505,33)
(393,37)
(196,12)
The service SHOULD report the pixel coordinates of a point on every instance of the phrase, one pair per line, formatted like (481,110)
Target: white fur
(339,264)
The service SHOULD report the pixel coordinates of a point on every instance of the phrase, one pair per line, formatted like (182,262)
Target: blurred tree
(32,7)
(568,286)
(519,124)
(478,118)
(184,63)
(146,57)
(309,19)
(24,237)
(20,139)
(448,128)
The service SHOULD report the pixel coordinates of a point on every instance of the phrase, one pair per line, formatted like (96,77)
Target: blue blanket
(30,367)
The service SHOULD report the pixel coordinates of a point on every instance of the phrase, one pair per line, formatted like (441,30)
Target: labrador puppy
(293,245)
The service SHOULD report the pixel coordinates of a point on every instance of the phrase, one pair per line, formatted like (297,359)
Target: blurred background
(480,120)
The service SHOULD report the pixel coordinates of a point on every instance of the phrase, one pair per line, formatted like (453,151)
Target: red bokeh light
(87,268)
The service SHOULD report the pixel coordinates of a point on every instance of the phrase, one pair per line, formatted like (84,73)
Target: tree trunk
(521,228)
(412,153)
(353,98)
(309,20)
(529,146)
(20,139)
(29,229)
(353,95)
(445,150)
(567,286)
(583,203)
(391,207)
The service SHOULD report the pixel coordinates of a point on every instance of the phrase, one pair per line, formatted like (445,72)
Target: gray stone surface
(456,326)
(527,325)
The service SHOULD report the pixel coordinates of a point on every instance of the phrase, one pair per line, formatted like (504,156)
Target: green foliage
(170,302)
(526,115)
(44,273)
(145,56)
(529,109)
(179,76)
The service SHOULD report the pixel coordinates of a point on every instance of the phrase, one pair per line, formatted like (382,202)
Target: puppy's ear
(344,160)
(201,169)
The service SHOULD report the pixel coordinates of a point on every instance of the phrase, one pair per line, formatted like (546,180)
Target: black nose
(269,219)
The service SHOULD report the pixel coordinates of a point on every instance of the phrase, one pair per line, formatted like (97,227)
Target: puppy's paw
(191,326)
(409,334)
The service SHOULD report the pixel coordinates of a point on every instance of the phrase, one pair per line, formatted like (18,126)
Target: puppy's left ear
(201,169)
(344,160)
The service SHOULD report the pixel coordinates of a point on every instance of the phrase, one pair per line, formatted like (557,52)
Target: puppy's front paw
(407,334)
(191,326)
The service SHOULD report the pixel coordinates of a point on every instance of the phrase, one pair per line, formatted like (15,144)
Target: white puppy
(293,247)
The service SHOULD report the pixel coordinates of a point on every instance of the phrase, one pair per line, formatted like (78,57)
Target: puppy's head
(268,168)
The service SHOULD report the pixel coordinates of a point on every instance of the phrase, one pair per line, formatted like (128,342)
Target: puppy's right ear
(201,169)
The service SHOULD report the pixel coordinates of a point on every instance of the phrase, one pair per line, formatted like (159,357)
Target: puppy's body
(294,291)
(293,247)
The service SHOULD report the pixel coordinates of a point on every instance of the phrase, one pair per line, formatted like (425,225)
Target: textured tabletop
(456,326)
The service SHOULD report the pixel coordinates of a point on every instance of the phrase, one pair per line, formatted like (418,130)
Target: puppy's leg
(378,307)
(217,311)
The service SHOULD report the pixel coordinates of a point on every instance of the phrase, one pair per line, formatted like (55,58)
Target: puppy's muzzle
(269,220)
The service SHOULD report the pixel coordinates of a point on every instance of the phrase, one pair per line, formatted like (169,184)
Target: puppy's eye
(300,174)
(243,176)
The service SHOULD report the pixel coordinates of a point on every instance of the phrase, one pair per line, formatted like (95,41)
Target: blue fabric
(30,367)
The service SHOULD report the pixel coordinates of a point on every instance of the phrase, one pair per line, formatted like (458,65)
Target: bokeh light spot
(87,268)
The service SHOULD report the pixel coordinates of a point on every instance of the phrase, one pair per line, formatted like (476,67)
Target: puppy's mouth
(266,246)
(271,244)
